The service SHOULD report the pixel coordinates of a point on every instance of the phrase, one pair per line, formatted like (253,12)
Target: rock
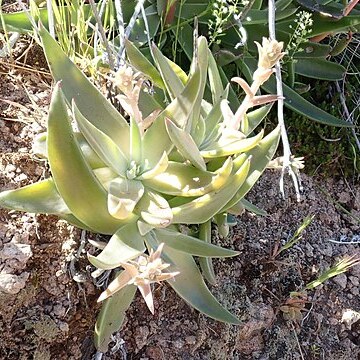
(355,291)
(141,336)
(190,340)
(249,337)
(326,249)
(14,250)
(12,284)
(344,197)
(340,280)
(354,280)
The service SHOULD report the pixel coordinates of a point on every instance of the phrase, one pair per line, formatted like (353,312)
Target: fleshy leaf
(123,195)
(320,69)
(135,142)
(206,263)
(253,119)
(230,145)
(214,117)
(40,149)
(185,180)
(112,316)
(141,63)
(205,207)
(171,80)
(105,175)
(179,111)
(158,169)
(154,210)
(124,245)
(92,104)
(73,177)
(261,155)
(190,285)
(191,245)
(215,82)
(247,205)
(185,144)
(102,144)
(41,198)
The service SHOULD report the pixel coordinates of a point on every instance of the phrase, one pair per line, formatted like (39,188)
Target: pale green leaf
(156,138)
(214,117)
(253,119)
(154,210)
(261,155)
(185,144)
(123,195)
(229,145)
(102,144)
(215,82)
(206,263)
(205,207)
(158,169)
(105,175)
(191,245)
(40,149)
(112,316)
(135,142)
(124,245)
(75,86)
(185,180)
(170,78)
(141,63)
(73,177)
(190,285)
(40,198)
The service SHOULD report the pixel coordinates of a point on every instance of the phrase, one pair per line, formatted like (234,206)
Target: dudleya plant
(187,160)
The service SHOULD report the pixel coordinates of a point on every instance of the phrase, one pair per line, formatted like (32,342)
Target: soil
(48,300)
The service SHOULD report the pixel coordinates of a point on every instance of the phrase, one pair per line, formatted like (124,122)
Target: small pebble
(340,280)
(190,340)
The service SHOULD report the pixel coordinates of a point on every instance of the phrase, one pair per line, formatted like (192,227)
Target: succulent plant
(181,158)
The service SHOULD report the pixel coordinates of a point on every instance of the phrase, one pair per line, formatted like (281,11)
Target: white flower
(141,273)
(269,53)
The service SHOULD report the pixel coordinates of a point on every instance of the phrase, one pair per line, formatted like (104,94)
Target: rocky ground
(48,300)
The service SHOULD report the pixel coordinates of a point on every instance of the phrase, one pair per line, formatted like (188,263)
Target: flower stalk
(286,159)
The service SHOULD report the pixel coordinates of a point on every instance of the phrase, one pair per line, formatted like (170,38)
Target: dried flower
(141,273)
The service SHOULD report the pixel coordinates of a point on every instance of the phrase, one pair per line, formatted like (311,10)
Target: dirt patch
(51,316)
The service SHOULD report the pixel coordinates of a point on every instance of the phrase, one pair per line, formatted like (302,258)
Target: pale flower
(124,79)
(141,273)
(270,52)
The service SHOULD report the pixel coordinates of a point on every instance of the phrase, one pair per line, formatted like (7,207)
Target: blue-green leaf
(73,177)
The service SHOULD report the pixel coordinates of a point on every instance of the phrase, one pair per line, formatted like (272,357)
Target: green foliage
(340,267)
(141,178)
(328,151)
(233,32)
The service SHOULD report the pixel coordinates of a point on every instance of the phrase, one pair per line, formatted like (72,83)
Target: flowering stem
(280,108)
(246,104)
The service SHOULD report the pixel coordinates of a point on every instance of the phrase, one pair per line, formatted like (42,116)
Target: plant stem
(121,54)
(51,18)
(121,28)
(102,34)
(280,110)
